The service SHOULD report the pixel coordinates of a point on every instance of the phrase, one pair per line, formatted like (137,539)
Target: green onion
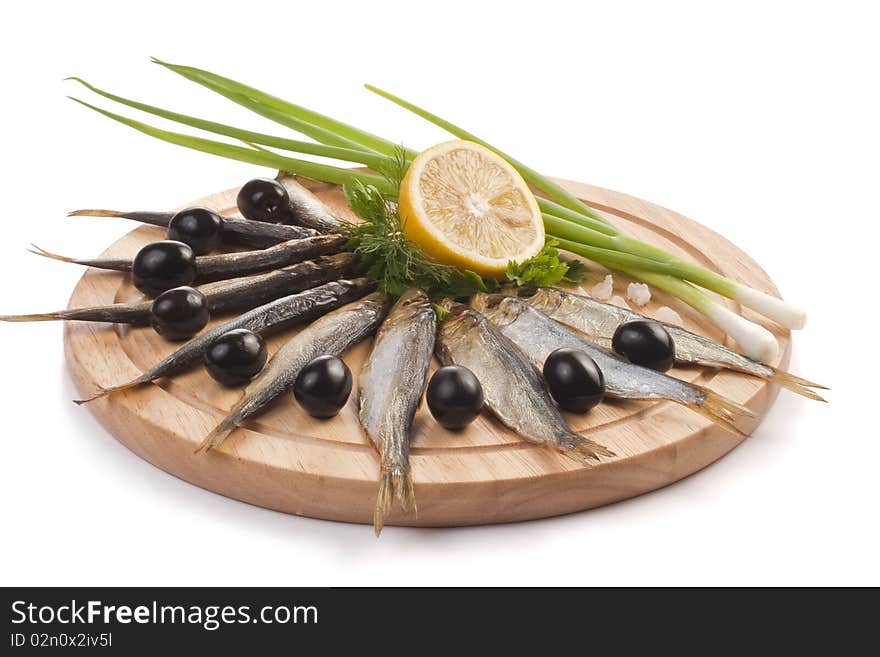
(551,207)
(579,228)
(578,237)
(373,160)
(755,341)
(562,196)
(280,110)
(788,315)
(324,172)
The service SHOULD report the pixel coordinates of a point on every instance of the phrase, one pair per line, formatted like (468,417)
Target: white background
(760,121)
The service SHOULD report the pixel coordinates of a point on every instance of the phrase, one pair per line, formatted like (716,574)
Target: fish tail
(37,317)
(95,213)
(153,218)
(797,384)
(583,450)
(722,411)
(36,250)
(383,502)
(393,485)
(103,392)
(217,436)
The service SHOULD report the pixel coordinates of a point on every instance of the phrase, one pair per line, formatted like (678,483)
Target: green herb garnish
(398,264)
(440,311)
(546,268)
(386,255)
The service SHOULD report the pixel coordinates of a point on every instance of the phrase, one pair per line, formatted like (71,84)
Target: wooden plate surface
(288,461)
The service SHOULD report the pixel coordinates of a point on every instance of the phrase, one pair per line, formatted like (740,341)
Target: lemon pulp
(465,206)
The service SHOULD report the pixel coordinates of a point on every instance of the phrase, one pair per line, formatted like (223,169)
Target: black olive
(645,343)
(235,357)
(323,386)
(455,396)
(574,379)
(163,265)
(179,313)
(198,227)
(263,199)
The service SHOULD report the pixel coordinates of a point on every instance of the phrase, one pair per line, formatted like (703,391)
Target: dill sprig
(388,256)
(393,169)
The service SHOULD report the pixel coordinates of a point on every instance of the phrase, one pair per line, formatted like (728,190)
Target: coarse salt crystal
(667,315)
(603,291)
(638,293)
(619,301)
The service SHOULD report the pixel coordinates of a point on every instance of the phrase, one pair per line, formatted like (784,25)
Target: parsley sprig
(546,268)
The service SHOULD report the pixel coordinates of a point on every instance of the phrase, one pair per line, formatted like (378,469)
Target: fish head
(355,284)
(503,310)
(378,298)
(485,301)
(412,296)
(409,308)
(545,299)
(454,310)
(455,331)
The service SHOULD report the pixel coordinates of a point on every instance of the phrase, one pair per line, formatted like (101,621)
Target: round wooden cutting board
(288,461)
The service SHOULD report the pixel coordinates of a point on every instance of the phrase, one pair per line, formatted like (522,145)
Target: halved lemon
(465,206)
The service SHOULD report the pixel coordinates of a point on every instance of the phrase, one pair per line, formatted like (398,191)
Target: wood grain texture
(288,461)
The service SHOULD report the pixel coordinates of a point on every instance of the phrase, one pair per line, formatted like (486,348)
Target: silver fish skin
(513,389)
(241,293)
(221,266)
(237,229)
(308,210)
(391,385)
(332,334)
(599,321)
(273,316)
(537,335)
(247,292)
(228,265)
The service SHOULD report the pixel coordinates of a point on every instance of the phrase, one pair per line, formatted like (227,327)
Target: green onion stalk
(786,314)
(757,342)
(578,228)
